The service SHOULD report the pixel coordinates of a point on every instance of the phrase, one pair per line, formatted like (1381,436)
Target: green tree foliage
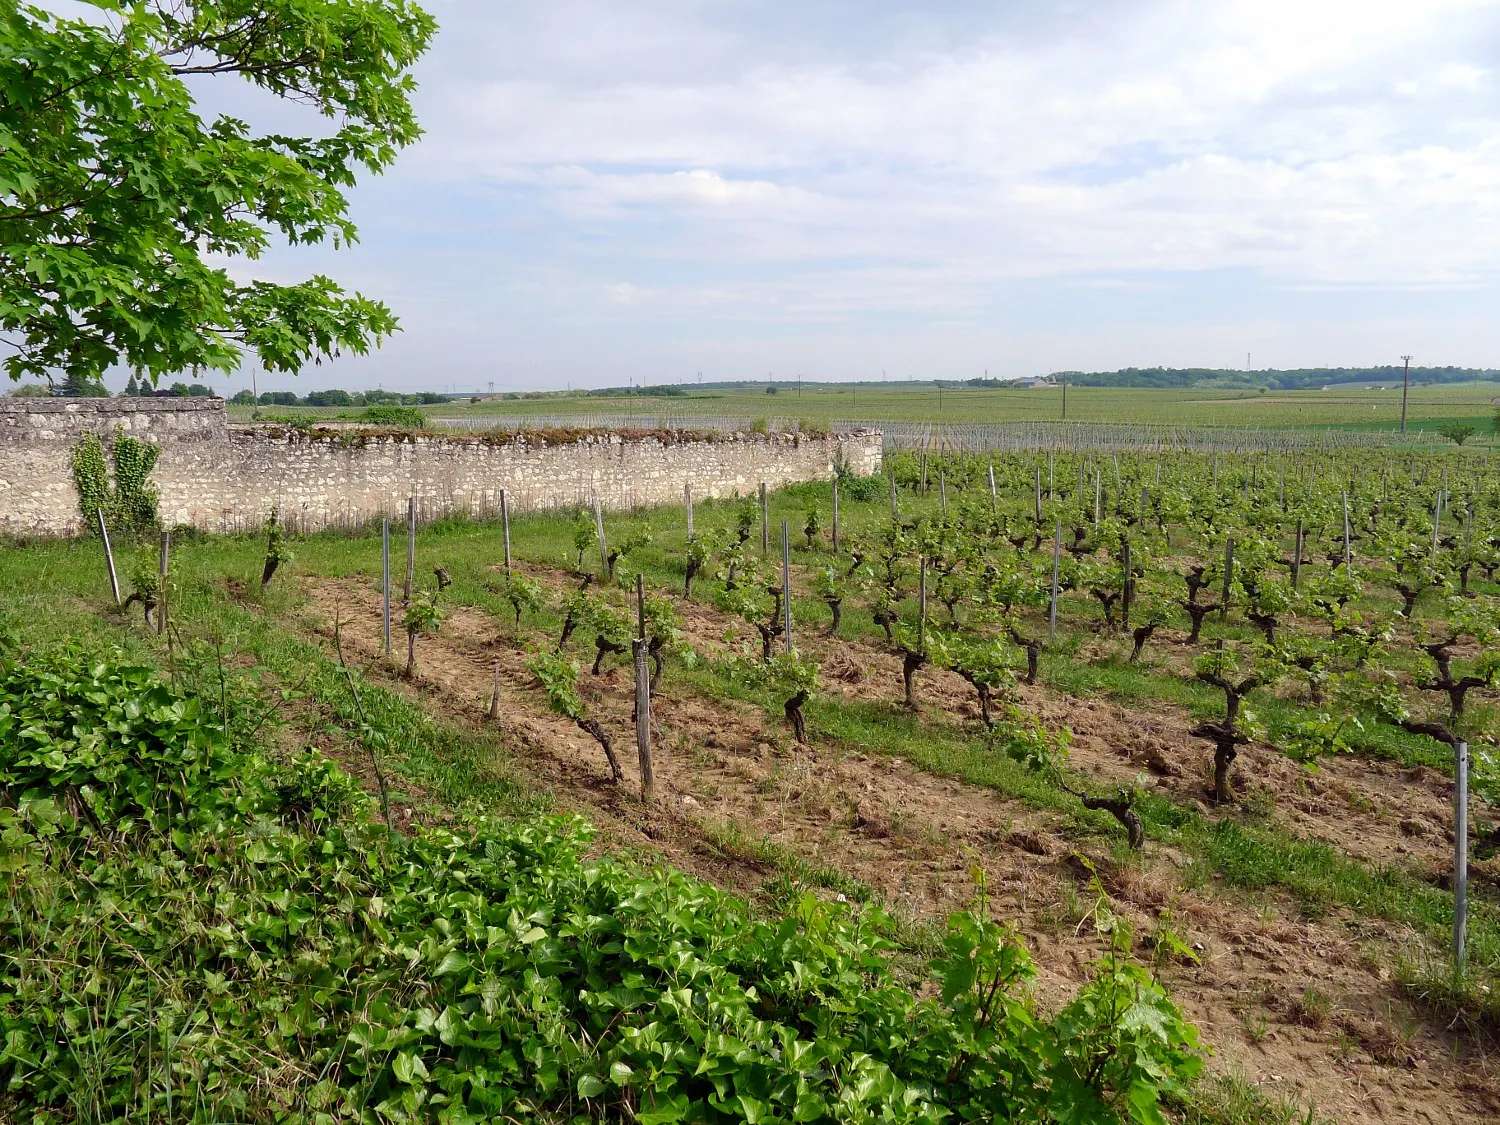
(108,242)
(80,384)
(1458,432)
(333,397)
(396,417)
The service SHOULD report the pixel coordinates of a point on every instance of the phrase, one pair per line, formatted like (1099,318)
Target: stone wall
(224,478)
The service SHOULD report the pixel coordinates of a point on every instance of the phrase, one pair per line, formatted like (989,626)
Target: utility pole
(1065,398)
(1405,383)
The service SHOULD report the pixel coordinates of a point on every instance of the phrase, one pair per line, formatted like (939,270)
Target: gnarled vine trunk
(794,715)
(601,736)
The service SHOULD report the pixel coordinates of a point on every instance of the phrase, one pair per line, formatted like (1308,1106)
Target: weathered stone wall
(222,478)
(37,436)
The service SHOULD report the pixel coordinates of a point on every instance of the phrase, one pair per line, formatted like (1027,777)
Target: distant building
(1032,382)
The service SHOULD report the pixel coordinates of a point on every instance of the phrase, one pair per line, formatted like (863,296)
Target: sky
(613,191)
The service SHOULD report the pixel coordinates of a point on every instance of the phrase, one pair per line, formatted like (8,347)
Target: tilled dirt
(1304,1008)
(1377,811)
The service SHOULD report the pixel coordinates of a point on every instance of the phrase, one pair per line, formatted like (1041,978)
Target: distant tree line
(1290,380)
(339,398)
(77,386)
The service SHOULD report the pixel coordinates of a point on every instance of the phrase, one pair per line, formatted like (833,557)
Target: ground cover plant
(1328,832)
(196,932)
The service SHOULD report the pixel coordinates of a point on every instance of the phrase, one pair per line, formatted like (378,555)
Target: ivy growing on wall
(129,505)
(92,478)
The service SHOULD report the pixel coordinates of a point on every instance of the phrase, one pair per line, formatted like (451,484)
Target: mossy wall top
(222,478)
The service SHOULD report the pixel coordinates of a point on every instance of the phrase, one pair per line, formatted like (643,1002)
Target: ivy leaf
(409,1068)
(589,1086)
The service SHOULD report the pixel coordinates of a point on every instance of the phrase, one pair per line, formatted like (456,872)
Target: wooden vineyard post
(943,490)
(1348,556)
(411,548)
(1228,577)
(924,473)
(1127,588)
(1460,857)
(1039,494)
(1437,523)
(163,563)
(1283,487)
(505,528)
(835,514)
(643,695)
(765,521)
(687,503)
(385,579)
(1051,477)
(786,586)
(109,557)
(922,606)
(1077,496)
(1297,556)
(603,546)
(1056,562)
(1098,496)
(892,479)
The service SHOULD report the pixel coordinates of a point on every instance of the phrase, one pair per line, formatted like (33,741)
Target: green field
(923,402)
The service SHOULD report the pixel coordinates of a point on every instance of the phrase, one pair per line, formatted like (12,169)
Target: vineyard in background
(1344,407)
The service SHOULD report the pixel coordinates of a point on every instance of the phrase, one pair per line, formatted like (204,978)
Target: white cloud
(703,170)
(1317,141)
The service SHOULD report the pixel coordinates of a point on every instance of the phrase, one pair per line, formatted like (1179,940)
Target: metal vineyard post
(765,521)
(786,585)
(1460,857)
(109,557)
(385,578)
(163,595)
(599,532)
(411,547)
(643,695)
(505,528)
(1056,562)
